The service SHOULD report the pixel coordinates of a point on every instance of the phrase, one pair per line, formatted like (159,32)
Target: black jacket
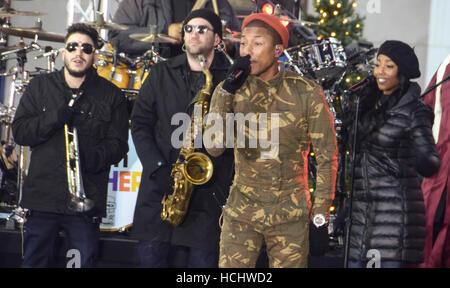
(167,91)
(388,208)
(101,119)
(138,15)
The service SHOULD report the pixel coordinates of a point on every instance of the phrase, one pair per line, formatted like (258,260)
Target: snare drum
(105,66)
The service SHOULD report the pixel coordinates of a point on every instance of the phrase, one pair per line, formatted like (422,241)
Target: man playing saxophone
(168,92)
(76,124)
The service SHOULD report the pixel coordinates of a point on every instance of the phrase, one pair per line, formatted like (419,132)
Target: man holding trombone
(76,124)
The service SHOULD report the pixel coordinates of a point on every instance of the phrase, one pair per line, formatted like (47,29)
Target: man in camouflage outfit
(269,199)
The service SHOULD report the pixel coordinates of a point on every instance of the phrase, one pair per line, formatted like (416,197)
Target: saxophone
(192,168)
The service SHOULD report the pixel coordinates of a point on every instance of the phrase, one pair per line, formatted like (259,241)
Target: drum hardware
(7,11)
(152,56)
(222,49)
(101,24)
(33,33)
(20,79)
(6,114)
(230,35)
(277,13)
(22,48)
(323,60)
(50,54)
(9,48)
(154,38)
(291,63)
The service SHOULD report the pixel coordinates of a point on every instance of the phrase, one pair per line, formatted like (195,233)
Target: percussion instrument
(154,38)
(114,72)
(32,33)
(101,24)
(124,72)
(322,59)
(7,12)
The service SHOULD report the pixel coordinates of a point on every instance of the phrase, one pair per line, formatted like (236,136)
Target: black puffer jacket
(388,208)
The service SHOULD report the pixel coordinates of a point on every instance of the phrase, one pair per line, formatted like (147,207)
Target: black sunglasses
(201,29)
(85,47)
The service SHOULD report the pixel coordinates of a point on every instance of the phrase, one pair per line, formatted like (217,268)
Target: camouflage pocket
(293,208)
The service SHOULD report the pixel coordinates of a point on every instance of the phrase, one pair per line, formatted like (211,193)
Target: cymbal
(6,12)
(9,48)
(102,24)
(296,21)
(154,38)
(231,36)
(278,13)
(31,32)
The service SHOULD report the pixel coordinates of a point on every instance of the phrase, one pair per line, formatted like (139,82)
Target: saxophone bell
(198,168)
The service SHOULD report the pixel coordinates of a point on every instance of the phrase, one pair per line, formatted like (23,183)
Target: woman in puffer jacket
(394,145)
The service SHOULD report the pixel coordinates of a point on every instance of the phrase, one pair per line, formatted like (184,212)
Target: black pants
(41,232)
(158,254)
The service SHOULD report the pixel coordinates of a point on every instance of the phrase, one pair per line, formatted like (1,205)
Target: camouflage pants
(282,224)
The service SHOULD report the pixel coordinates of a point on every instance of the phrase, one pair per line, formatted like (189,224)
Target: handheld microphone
(235,74)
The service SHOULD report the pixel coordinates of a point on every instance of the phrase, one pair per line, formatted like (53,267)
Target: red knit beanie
(272,21)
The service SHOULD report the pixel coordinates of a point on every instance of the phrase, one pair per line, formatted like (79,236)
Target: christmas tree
(337,19)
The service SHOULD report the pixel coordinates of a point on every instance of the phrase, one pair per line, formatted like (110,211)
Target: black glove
(65,113)
(237,74)
(318,240)
(162,178)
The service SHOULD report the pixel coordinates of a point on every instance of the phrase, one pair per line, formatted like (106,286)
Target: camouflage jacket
(303,118)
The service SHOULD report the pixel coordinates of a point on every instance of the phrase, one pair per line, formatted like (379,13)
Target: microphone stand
(352,181)
(435,86)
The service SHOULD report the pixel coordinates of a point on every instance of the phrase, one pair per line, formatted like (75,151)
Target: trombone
(78,201)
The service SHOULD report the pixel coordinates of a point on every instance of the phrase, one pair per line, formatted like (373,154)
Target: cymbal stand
(221,48)
(50,55)
(20,78)
(154,55)
(291,63)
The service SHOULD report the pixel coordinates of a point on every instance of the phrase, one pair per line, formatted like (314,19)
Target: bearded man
(168,91)
(53,103)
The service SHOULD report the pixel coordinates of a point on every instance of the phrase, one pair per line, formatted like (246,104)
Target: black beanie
(209,16)
(403,55)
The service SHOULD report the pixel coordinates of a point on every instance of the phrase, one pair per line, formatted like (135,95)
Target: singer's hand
(237,74)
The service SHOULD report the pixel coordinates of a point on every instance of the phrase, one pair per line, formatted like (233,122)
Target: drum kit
(12,160)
